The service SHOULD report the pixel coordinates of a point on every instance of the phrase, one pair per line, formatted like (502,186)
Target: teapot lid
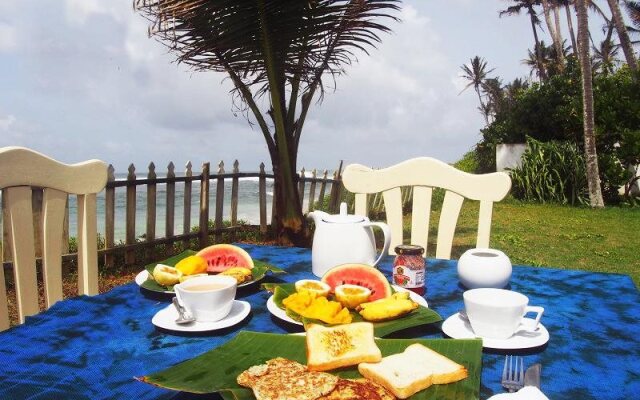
(343,217)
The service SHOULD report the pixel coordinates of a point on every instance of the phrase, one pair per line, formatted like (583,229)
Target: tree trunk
(591,156)
(574,45)
(556,20)
(625,42)
(482,106)
(552,32)
(289,223)
(541,72)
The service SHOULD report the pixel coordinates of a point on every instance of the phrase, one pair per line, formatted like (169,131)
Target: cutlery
(532,375)
(184,317)
(513,373)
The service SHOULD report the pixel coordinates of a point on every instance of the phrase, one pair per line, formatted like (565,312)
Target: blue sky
(80,79)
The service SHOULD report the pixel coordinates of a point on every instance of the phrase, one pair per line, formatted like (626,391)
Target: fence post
(262,198)
(130,255)
(336,189)
(312,191)
(109,217)
(171,200)
(151,207)
(186,224)
(301,188)
(219,201)
(204,206)
(234,194)
(323,187)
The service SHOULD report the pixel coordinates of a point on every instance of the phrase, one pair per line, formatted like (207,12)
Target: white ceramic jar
(484,268)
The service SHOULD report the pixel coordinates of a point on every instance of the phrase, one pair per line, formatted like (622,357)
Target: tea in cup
(499,313)
(208,298)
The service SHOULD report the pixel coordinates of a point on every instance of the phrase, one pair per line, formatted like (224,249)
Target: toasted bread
(280,378)
(415,369)
(340,346)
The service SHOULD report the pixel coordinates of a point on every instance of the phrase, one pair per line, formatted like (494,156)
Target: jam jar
(409,268)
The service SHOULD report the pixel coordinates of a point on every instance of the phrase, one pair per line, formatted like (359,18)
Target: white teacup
(499,313)
(208,298)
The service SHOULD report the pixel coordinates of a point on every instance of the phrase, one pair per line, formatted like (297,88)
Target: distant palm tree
(623,36)
(476,72)
(548,60)
(554,30)
(633,7)
(567,4)
(604,56)
(494,93)
(591,155)
(516,9)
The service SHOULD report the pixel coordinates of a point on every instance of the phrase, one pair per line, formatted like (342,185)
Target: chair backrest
(423,174)
(21,170)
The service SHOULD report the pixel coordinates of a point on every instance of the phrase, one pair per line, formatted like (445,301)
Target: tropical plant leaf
(216,370)
(420,316)
(260,269)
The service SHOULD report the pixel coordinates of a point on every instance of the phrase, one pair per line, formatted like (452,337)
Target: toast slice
(413,370)
(340,346)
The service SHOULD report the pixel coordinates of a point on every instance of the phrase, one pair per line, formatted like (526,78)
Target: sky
(81,79)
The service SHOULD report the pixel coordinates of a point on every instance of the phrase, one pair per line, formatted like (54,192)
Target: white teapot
(343,238)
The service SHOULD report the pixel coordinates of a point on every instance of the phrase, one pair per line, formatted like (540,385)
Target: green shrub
(551,172)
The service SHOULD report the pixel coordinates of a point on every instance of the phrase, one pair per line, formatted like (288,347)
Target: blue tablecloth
(93,347)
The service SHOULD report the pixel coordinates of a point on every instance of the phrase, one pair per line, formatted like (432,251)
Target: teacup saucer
(166,319)
(458,327)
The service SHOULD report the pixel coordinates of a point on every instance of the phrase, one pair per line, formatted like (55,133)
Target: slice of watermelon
(221,257)
(361,275)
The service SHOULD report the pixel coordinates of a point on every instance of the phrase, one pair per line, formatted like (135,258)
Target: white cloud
(8,38)
(79,11)
(7,122)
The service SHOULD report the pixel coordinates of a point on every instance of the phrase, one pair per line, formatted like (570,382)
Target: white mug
(207,298)
(499,313)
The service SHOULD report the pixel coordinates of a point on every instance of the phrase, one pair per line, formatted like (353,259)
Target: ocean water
(248,206)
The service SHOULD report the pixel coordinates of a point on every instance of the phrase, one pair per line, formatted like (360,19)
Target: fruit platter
(224,259)
(350,293)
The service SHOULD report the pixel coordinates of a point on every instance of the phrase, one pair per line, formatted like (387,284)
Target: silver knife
(532,375)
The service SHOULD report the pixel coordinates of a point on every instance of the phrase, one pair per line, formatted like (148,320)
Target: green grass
(599,240)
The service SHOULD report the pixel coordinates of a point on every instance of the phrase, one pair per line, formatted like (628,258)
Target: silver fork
(513,373)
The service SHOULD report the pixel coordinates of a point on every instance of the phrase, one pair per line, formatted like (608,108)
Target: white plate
(458,327)
(144,275)
(166,319)
(282,314)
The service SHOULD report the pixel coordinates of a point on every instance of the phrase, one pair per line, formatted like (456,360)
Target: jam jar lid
(409,250)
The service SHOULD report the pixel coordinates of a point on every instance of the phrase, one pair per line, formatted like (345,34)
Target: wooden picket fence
(320,186)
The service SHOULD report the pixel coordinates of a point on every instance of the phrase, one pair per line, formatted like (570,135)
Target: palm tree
(567,7)
(604,56)
(623,36)
(591,155)
(278,49)
(476,72)
(535,21)
(494,92)
(548,60)
(633,7)
(553,32)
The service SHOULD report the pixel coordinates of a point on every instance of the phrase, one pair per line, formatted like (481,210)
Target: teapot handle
(387,239)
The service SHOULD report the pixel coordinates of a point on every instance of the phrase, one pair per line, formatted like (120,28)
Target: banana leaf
(216,370)
(260,269)
(420,316)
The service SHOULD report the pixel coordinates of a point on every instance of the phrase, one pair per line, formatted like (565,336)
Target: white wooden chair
(423,174)
(20,170)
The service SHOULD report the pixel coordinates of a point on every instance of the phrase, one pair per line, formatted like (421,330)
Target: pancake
(358,389)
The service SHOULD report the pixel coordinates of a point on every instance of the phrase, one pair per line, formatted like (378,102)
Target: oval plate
(282,314)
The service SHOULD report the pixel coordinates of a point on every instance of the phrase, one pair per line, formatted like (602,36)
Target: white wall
(509,155)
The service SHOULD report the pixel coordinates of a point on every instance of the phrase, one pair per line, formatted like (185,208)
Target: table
(93,347)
